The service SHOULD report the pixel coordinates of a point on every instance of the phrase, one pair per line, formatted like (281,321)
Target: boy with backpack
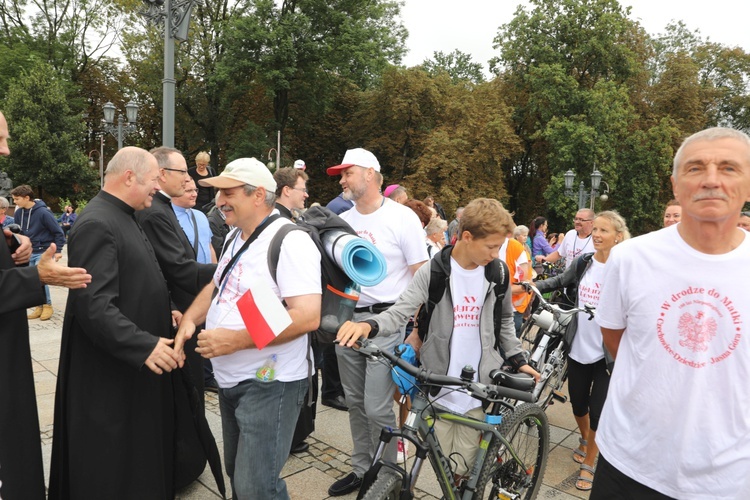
(466,315)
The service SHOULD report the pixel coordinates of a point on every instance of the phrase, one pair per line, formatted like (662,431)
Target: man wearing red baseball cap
(398,234)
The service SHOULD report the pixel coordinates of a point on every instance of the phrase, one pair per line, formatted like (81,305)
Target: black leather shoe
(300,448)
(338,402)
(345,485)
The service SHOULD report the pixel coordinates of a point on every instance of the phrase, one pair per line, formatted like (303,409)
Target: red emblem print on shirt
(699,326)
(694,333)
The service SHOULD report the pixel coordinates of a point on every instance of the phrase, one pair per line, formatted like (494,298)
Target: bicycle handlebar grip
(514,394)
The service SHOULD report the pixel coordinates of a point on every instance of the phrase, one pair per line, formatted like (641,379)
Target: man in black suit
(185,276)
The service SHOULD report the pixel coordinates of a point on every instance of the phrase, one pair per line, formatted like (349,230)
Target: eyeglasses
(183,172)
(304,190)
(578,219)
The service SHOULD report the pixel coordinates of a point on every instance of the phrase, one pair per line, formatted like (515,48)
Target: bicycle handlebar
(554,308)
(491,393)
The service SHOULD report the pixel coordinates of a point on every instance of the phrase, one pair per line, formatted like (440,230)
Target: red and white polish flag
(265,317)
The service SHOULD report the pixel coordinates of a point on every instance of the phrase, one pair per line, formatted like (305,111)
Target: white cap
(359,157)
(300,165)
(240,172)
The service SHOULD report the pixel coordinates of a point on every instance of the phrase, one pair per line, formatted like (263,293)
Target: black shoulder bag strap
(252,238)
(498,272)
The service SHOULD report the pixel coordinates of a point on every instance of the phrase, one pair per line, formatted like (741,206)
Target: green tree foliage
(457,64)
(570,68)
(437,137)
(46,137)
(296,49)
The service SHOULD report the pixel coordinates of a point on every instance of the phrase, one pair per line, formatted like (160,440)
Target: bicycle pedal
(559,396)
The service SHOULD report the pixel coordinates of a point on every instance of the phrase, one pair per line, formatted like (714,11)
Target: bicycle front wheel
(502,475)
(387,486)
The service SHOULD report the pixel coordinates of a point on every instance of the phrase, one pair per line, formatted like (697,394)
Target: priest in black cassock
(21,472)
(114,434)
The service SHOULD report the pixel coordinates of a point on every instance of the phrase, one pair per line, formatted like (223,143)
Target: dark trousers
(611,484)
(325,359)
(587,385)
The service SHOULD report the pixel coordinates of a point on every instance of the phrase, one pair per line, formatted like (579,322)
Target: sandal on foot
(588,482)
(578,454)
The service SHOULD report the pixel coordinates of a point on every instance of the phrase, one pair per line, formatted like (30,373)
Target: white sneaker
(403,451)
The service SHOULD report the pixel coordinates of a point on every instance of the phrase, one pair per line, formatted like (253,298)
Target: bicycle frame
(418,429)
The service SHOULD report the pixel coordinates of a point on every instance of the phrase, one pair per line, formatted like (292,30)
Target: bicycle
(548,350)
(512,454)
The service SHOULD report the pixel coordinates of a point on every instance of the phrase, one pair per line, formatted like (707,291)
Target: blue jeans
(34,261)
(257,422)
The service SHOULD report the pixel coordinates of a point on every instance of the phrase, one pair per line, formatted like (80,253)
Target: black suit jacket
(185,276)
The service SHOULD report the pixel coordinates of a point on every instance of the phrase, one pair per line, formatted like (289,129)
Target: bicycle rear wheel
(527,430)
(387,486)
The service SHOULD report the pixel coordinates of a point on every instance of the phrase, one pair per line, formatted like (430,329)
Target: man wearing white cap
(398,234)
(260,391)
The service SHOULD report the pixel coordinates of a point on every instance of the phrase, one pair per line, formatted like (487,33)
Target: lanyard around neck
(233,261)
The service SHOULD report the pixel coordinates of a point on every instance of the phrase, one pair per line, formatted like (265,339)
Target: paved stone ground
(308,475)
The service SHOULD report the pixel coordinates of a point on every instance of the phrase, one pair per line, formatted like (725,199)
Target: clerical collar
(165,194)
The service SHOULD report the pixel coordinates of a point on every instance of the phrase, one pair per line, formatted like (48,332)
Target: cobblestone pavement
(309,474)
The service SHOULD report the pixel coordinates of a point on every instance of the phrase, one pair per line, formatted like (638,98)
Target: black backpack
(494,272)
(316,222)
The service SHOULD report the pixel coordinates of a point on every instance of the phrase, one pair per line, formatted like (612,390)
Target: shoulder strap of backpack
(274,248)
(436,290)
(497,272)
(582,264)
(274,251)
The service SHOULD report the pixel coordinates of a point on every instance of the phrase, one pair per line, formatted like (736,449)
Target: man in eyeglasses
(577,241)
(291,191)
(184,275)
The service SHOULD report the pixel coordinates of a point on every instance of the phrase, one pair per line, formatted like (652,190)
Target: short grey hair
(436,225)
(270,200)
(162,154)
(4,202)
(710,134)
(130,158)
(397,192)
(519,230)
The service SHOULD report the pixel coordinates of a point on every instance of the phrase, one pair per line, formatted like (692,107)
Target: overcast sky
(471,25)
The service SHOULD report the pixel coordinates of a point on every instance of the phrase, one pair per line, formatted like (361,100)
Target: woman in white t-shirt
(588,377)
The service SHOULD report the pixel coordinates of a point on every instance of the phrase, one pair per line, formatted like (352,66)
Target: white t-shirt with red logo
(573,246)
(467,293)
(396,231)
(587,345)
(677,415)
(298,273)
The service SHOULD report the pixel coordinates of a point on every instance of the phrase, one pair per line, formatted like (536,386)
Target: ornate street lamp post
(585,197)
(173,17)
(121,128)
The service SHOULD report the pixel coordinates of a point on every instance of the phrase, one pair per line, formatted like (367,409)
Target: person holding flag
(255,329)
